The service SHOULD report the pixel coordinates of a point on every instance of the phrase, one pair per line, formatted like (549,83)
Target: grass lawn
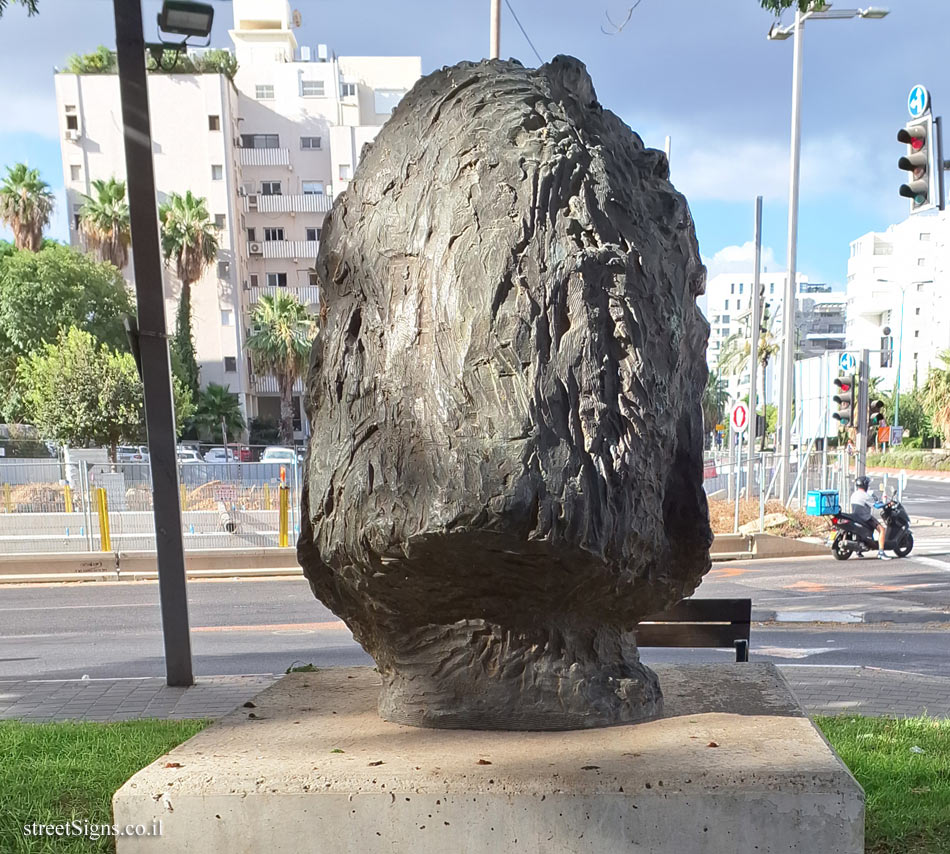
(908,792)
(59,772)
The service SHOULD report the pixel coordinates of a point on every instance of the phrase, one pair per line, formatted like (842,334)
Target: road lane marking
(794,652)
(929,561)
(85,607)
(336,625)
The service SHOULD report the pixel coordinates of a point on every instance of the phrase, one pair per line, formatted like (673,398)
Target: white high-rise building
(897,297)
(729,308)
(269,151)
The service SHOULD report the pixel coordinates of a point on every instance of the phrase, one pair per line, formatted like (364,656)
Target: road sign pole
(862,413)
(754,336)
(735,526)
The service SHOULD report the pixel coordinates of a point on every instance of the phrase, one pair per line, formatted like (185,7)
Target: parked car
(219,455)
(277,454)
(188,455)
(131,454)
(240,452)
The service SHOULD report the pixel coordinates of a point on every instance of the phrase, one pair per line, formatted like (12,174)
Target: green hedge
(916,460)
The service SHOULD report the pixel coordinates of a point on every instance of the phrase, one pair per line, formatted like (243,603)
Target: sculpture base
(733,765)
(474,675)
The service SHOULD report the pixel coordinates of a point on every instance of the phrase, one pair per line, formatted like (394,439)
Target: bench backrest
(698,623)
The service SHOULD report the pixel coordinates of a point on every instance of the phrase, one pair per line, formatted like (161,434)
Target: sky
(699,71)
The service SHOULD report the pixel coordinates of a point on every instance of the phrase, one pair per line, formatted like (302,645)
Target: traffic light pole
(153,340)
(756,323)
(862,414)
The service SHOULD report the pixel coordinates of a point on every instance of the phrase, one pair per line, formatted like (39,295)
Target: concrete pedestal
(732,767)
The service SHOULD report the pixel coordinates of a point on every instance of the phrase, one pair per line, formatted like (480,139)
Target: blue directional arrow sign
(846,362)
(918,101)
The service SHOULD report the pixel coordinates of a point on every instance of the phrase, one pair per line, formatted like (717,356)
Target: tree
(26,203)
(100,61)
(218,411)
(281,336)
(31,6)
(104,222)
(737,350)
(190,241)
(79,392)
(937,396)
(44,292)
(714,397)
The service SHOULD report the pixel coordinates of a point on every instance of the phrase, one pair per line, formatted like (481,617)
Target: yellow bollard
(184,497)
(267,496)
(68,497)
(102,507)
(7,502)
(283,538)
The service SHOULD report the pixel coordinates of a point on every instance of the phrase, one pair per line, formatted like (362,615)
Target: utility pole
(153,340)
(789,306)
(494,47)
(756,323)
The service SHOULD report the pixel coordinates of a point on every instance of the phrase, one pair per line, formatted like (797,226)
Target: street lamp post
(819,11)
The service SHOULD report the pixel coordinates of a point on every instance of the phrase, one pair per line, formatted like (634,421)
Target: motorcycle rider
(862,503)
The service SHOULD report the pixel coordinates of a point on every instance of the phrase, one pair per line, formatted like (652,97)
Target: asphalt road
(928,498)
(265,626)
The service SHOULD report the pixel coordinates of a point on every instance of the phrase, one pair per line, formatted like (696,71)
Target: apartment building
(897,303)
(269,151)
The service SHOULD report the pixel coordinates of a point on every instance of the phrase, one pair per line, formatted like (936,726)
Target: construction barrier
(102,508)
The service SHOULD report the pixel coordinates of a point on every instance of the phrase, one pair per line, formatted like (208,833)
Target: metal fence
(49,506)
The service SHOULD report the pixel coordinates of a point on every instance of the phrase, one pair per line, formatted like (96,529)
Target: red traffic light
(915,137)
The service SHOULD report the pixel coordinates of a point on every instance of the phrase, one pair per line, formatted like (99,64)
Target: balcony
(307,294)
(309,203)
(268,385)
(294,249)
(265,157)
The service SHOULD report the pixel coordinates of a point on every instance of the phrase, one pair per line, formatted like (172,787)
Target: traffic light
(922,161)
(875,413)
(844,397)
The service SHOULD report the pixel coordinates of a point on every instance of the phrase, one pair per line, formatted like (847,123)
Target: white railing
(305,249)
(265,157)
(268,385)
(307,294)
(308,203)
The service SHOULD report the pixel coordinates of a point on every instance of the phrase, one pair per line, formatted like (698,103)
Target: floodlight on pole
(779,33)
(186,18)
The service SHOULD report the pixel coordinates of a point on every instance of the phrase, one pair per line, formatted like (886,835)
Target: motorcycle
(857,537)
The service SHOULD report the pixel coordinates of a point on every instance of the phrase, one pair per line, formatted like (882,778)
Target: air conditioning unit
(72,134)
(252,201)
(255,248)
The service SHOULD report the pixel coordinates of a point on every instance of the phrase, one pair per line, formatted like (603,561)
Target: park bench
(719,623)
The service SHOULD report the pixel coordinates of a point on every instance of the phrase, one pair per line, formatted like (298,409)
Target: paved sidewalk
(821,690)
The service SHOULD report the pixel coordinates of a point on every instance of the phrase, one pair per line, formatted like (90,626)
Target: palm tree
(190,240)
(737,350)
(26,203)
(281,336)
(104,222)
(218,409)
(937,396)
(713,399)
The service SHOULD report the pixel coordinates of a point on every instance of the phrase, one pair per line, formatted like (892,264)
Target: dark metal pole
(153,340)
(861,416)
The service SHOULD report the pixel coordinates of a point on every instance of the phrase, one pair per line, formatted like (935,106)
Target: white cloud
(739,259)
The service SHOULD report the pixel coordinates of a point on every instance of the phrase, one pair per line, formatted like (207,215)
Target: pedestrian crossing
(931,546)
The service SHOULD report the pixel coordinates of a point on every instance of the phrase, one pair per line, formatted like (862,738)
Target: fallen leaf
(377,762)
(249,705)
(251,715)
(173,764)
(590,767)
(483,762)
(712,744)
(336,750)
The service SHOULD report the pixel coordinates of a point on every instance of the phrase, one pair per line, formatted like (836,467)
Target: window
(277,280)
(925,235)
(312,88)
(347,90)
(273,234)
(725,318)
(270,188)
(72,120)
(732,287)
(314,280)
(227,318)
(251,235)
(76,216)
(740,287)
(253,280)
(224,269)
(75,172)
(915,357)
(313,234)
(916,333)
(772,288)
(738,305)
(921,262)
(916,311)
(310,143)
(219,221)
(214,122)
(230,364)
(345,172)
(217,172)
(264,91)
(726,306)
(312,188)
(260,140)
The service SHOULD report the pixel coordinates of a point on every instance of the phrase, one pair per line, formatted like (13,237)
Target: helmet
(862,482)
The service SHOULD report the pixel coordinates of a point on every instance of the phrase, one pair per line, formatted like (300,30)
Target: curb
(849,617)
